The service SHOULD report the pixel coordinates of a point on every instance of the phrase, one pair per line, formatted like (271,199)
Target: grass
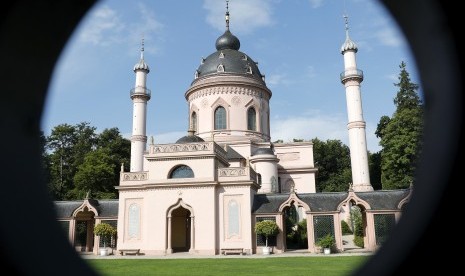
(230,266)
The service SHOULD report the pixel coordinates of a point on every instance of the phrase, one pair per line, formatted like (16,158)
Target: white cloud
(147,27)
(275,79)
(389,37)
(102,28)
(316,3)
(245,15)
(312,124)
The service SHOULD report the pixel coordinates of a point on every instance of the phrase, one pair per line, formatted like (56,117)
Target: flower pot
(266,250)
(103,251)
(327,251)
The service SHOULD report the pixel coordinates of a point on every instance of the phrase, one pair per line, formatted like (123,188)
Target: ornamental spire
(227,15)
(346,19)
(348,43)
(142,49)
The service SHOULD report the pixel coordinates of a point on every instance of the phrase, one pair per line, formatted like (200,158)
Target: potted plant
(266,228)
(326,242)
(104,231)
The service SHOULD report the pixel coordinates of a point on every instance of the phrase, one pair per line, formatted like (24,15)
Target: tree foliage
(266,228)
(400,136)
(105,231)
(332,158)
(77,160)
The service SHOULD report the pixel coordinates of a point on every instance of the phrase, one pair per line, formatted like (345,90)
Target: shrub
(326,241)
(105,231)
(358,241)
(266,228)
(345,228)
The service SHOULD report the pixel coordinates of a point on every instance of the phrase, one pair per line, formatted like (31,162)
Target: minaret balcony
(352,74)
(140,91)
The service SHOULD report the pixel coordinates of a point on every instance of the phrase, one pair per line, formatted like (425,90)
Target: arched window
(220,118)
(182,171)
(259,179)
(251,119)
(194,121)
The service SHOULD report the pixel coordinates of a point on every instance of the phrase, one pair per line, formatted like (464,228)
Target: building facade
(204,193)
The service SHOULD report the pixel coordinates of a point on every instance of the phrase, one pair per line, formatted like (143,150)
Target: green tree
(60,145)
(400,136)
(119,147)
(78,160)
(332,158)
(96,174)
(267,228)
(374,164)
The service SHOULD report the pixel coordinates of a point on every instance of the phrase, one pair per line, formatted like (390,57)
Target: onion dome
(227,41)
(141,65)
(348,44)
(228,59)
(189,138)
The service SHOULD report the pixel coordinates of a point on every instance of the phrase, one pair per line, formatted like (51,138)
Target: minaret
(351,78)
(140,95)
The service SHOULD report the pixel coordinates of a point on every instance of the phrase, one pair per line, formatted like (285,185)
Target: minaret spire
(227,15)
(351,79)
(140,95)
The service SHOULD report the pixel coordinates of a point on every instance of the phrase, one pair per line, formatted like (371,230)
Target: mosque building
(204,193)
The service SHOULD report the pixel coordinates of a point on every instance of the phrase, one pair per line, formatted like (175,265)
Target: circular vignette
(32,36)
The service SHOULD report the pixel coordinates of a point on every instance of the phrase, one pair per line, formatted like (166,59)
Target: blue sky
(295,42)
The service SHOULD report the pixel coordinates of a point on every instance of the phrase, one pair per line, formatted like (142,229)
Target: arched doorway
(357,222)
(295,227)
(181,230)
(84,230)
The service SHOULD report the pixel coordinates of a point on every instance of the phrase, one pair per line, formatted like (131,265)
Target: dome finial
(346,19)
(142,48)
(227,15)
(348,44)
(141,65)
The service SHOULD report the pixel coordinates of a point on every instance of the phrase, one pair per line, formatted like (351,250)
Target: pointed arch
(179,203)
(405,200)
(190,226)
(86,206)
(253,120)
(352,197)
(293,199)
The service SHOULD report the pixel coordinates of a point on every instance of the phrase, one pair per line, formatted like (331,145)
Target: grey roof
(105,207)
(233,60)
(65,209)
(318,202)
(384,199)
(189,139)
(323,202)
(231,154)
(268,203)
(327,202)
(263,151)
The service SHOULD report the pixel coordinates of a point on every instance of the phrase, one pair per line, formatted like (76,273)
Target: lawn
(230,266)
